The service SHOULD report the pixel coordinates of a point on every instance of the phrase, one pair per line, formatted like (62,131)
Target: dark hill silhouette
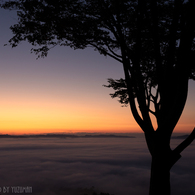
(66,136)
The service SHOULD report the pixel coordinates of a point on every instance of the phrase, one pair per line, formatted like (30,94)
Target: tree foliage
(121,91)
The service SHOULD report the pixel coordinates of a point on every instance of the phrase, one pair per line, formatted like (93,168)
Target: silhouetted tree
(153,40)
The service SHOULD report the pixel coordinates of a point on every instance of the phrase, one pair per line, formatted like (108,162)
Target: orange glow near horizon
(63,92)
(40,114)
(52,116)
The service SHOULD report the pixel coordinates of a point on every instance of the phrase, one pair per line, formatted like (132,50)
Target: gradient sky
(63,92)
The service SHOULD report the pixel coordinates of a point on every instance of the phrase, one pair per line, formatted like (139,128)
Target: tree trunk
(163,158)
(160,177)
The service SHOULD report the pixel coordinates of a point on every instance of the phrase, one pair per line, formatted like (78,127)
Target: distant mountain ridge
(53,135)
(180,137)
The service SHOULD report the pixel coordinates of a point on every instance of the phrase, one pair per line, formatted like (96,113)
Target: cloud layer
(73,165)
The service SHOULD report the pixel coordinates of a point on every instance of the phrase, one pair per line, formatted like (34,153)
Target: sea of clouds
(83,165)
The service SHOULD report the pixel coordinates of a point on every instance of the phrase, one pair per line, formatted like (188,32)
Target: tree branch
(154,113)
(185,143)
(155,31)
(173,34)
(149,95)
(118,56)
(105,52)
(134,110)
